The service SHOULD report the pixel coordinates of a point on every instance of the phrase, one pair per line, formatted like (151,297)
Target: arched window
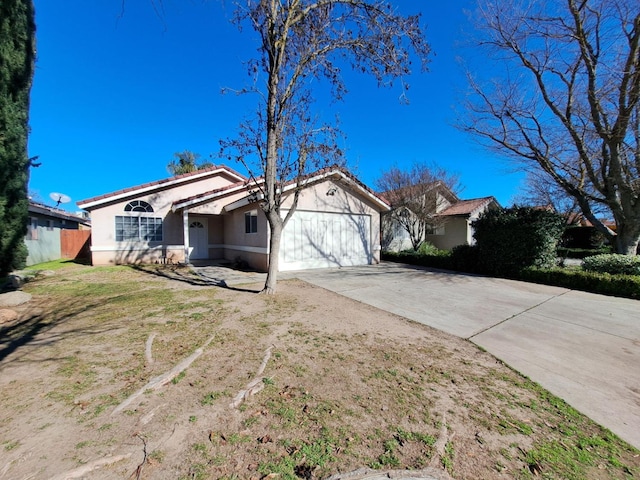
(138,206)
(137,225)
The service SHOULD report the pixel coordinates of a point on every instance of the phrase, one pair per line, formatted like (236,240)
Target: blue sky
(116,94)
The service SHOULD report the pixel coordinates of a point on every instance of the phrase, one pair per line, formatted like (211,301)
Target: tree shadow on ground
(186,274)
(31,328)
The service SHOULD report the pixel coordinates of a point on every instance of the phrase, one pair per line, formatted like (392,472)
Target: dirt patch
(343,387)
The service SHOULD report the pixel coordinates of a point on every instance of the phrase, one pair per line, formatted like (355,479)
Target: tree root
(161,380)
(147,350)
(255,385)
(89,467)
(441,445)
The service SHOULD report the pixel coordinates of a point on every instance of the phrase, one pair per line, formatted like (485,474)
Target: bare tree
(416,197)
(564,100)
(186,162)
(301,42)
(540,190)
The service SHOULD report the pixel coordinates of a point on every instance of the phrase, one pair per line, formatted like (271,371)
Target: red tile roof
(467,207)
(160,183)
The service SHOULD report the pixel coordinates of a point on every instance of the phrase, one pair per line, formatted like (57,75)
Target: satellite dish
(59,198)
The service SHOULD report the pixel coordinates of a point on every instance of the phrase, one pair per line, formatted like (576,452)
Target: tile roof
(159,183)
(251,184)
(467,207)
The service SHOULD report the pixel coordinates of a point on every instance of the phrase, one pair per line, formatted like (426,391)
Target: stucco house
(214,214)
(452,217)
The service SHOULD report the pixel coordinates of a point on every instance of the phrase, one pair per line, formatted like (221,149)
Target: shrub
(511,239)
(603,283)
(427,248)
(465,258)
(613,264)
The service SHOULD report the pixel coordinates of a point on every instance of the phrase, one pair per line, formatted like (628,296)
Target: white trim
(307,182)
(156,185)
(119,248)
(242,248)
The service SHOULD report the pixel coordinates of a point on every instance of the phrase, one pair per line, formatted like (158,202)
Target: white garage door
(322,240)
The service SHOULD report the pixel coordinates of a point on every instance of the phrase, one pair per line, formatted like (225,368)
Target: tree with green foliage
(302,42)
(186,162)
(17,57)
(511,239)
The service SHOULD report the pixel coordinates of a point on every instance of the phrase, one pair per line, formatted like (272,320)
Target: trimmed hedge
(575,279)
(603,283)
(613,264)
(510,239)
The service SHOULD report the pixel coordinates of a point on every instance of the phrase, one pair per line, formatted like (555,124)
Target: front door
(198,238)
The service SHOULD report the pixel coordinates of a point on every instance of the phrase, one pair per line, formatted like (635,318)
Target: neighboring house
(214,213)
(46,230)
(456,228)
(452,222)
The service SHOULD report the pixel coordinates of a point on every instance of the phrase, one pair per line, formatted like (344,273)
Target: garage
(323,240)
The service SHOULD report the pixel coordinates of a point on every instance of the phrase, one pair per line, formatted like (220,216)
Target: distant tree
(564,99)
(416,197)
(541,191)
(17,55)
(302,42)
(186,162)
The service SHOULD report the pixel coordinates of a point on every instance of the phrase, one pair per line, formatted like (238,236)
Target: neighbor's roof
(468,207)
(43,209)
(92,202)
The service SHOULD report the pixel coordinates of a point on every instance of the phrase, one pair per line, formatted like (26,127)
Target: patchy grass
(347,386)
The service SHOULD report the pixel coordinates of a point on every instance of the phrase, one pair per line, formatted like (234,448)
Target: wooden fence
(74,244)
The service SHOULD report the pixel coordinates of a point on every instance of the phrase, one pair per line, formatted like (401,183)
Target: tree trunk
(626,241)
(276,226)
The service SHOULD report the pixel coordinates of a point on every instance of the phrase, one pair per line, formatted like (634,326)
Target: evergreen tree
(17,55)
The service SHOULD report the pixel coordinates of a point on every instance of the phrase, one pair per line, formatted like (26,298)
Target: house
(49,232)
(458,217)
(452,221)
(214,213)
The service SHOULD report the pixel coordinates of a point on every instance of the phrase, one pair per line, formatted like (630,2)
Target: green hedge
(614,264)
(510,239)
(603,283)
(575,279)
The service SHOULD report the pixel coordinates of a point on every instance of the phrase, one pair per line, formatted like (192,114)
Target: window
(50,225)
(251,222)
(138,228)
(32,230)
(138,206)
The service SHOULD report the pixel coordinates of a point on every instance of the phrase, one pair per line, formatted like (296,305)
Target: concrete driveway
(582,347)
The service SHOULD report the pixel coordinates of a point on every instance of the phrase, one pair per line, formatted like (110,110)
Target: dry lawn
(344,386)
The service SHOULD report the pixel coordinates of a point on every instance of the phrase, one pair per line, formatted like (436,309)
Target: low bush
(613,263)
(465,258)
(439,259)
(603,283)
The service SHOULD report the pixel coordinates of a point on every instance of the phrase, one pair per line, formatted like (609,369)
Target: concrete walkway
(582,347)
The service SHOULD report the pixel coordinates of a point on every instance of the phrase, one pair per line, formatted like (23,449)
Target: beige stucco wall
(106,250)
(226,230)
(456,232)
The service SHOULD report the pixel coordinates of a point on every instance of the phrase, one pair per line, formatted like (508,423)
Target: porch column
(185,230)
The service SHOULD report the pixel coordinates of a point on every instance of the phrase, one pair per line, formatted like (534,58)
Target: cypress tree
(17,56)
